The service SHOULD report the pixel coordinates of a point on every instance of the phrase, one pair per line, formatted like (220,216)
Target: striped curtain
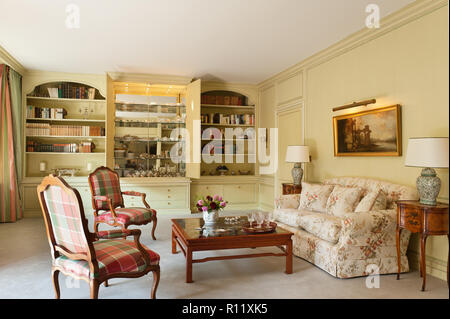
(10,139)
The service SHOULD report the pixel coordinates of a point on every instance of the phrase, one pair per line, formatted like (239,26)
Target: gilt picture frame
(375,132)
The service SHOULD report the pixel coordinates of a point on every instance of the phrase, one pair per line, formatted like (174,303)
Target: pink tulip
(205,209)
(216,197)
(223,204)
(200,202)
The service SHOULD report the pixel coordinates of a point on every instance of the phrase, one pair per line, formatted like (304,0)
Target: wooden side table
(290,188)
(424,219)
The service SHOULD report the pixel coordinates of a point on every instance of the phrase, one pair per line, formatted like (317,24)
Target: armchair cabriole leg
(156,275)
(155,221)
(106,283)
(55,277)
(94,285)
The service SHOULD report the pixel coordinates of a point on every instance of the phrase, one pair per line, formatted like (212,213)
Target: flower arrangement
(210,204)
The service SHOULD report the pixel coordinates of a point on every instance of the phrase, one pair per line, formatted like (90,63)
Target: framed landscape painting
(375,132)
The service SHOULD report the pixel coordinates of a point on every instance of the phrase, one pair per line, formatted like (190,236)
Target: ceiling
(234,40)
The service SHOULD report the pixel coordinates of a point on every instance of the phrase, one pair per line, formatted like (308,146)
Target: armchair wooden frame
(121,204)
(89,256)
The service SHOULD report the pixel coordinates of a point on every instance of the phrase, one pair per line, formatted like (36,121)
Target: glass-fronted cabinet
(148,139)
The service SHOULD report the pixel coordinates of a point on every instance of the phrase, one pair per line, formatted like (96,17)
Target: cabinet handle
(168,196)
(168,189)
(168,203)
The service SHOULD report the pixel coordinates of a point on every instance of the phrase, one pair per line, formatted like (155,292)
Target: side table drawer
(410,219)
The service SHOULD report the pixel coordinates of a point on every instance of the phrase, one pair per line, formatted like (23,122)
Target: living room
(320,128)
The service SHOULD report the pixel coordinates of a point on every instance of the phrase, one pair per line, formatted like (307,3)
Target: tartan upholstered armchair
(93,257)
(107,201)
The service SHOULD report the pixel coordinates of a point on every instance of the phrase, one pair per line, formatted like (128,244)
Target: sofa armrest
(373,228)
(287,201)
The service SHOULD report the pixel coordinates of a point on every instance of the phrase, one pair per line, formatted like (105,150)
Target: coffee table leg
(289,257)
(174,243)
(188,265)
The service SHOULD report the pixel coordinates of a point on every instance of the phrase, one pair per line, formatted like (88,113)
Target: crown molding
(389,23)
(151,78)
(8,59)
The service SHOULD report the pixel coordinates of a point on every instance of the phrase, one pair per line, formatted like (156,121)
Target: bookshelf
(228,125)
(64,128)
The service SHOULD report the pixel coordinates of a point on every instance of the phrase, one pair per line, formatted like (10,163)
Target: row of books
(46,129)
(66,90)
(218,118)
(83,147)
(222,100)
(57,113)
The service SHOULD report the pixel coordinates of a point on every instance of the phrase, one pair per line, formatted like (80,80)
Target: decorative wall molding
(435,267)
(8,59)
(393,21)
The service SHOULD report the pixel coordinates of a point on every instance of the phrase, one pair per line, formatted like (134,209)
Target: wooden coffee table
(190,237)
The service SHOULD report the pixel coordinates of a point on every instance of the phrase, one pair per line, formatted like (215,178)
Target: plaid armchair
(107,201)
(76,252)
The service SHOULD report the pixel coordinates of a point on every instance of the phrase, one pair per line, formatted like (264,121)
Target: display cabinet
(148,137)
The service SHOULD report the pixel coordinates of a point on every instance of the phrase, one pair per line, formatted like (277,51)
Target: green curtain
(10,139)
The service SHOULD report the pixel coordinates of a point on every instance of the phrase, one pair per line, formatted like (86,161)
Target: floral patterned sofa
(345,245)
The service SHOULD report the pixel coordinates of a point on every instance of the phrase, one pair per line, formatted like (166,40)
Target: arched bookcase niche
(222,109)
(66,90)
(64,129)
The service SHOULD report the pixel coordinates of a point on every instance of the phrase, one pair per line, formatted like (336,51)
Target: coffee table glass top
(194,228)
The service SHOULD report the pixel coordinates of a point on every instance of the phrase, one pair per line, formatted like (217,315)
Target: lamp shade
(297,154)
(427,152)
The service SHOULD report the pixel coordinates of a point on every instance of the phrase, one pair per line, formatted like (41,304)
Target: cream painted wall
(404,62)
(408,66)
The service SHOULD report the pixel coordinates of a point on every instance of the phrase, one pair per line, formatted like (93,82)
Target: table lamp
(429,153)
(297,154)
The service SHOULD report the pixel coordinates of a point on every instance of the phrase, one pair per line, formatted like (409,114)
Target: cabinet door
(193,92)
(240,194)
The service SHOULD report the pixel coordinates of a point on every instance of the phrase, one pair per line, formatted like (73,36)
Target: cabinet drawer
(169,204)
(156,193)
(204,190)
(236,194)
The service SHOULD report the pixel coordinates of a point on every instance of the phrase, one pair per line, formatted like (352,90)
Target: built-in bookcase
(65,127)
(221,110)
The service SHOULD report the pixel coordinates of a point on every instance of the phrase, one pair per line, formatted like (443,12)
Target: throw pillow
(343,200)
(288,201)
(315,196)
(374,200)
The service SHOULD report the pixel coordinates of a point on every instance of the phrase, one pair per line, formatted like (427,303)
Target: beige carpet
(25,273)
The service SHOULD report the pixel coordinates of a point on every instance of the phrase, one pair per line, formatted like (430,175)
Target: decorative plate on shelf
(254,229)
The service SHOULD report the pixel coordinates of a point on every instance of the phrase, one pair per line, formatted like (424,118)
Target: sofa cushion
(290,216)
(343,200)
(374,200)
(324,226)
(314,196)
(393,191)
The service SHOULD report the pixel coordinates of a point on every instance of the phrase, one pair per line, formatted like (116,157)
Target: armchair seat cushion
(113,256)
(128,216)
